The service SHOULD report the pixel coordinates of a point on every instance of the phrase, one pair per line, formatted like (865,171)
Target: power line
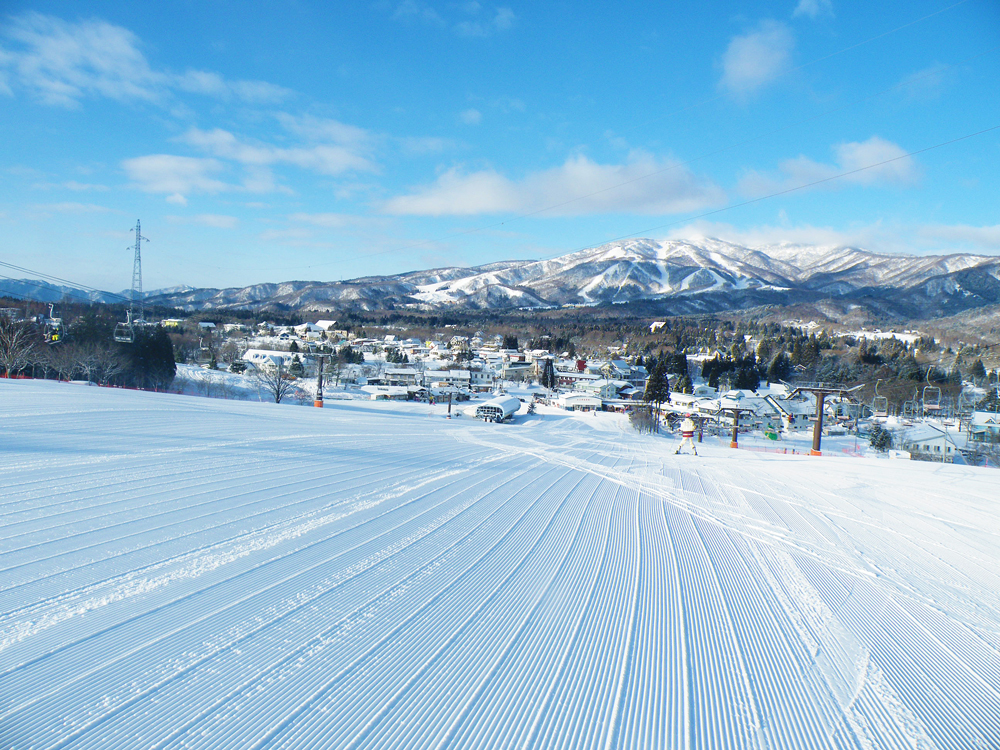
(42,285)
(50,277)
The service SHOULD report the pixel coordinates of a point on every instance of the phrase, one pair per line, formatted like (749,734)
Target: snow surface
(202,573)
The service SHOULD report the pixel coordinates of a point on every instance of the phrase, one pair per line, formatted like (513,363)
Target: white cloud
(325,158)
(62,62)
(757,58)
(212,84)
(412,10)
(294,235)
(330,220)
(483,23)
(471,117)
(873,237)
(424,145)
(216,221)
(71,208)
(178,175)
(643,185)
(985,238)
(320,129)
(177,199)
(928,83)
(80,186)
(813,8)
(801,170)
(879,236)
(502,19)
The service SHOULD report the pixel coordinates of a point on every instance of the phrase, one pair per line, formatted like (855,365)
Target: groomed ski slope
(196,573)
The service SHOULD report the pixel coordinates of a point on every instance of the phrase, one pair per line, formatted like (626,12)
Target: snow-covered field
(201,573)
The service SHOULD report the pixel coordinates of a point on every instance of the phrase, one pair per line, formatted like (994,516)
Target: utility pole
(319,384)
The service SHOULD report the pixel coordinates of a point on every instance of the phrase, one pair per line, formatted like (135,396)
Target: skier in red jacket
(687,434)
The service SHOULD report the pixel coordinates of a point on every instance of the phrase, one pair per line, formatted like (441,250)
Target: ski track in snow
(198,574)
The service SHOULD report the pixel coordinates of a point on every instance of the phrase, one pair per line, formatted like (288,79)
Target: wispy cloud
(473,20)
(471,117)
(70,207)
(879,236)
(61,62)
(643,185)
(985,238)
(927,84)
(81,186)
(334,220)
(258,158)
(875,237)
(500,19)
(753,60)
(216,221)
(849,157)
(410,10)
(176,175)
(813,8)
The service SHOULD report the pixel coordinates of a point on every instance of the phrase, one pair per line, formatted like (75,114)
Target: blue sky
(268,141)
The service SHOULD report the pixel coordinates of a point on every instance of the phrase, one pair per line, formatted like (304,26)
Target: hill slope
(180,571)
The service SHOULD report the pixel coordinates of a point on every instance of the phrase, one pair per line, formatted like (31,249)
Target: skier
(687,434)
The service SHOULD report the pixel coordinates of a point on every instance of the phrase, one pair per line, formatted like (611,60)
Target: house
(386,392)
(985,427)
(602,388)
(579,402)
(573,379)
(267,358)
(928,442)
(403,376)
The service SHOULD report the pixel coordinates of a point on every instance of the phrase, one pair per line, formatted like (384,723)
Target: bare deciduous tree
(271,378)
(61,359)
(18,340)
(230,352)
(110,363)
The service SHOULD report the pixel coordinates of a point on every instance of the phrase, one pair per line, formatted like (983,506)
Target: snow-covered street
(189,572)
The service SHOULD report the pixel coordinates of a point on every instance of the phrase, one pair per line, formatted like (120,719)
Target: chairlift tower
(821,391)
(135,300)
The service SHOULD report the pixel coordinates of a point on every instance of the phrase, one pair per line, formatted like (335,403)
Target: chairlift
(53,327)
(125,332)
(931,400)
(880,404)
(967,401)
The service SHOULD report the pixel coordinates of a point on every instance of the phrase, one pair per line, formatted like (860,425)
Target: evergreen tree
(978,371)
(658,387)
(548,377)
(151,358)
(880,438)
(780,368)
(294,346)
(295,369)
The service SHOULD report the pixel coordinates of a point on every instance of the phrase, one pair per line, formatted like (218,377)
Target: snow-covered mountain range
(681,276)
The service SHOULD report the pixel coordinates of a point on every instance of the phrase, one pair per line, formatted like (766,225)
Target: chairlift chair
(125,332)
(931,400)
(880,404)
(53,327)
